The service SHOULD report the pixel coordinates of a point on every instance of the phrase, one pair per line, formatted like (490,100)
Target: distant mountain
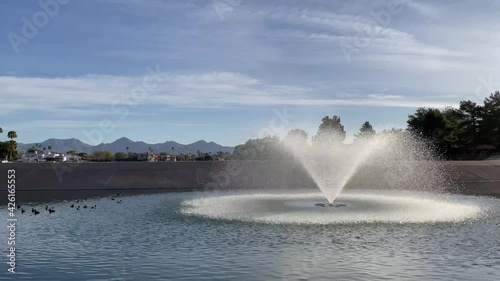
(120,145)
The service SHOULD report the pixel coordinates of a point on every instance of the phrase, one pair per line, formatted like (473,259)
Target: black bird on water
(78,208)
(18,206)
(72,206)
(36,212)
(85,207)
(51,211)
(32,210)
(46,208)
(22,211)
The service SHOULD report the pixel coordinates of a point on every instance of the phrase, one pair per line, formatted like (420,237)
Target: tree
(491,123)
(84,156)
(1,130)
(50,148)
(71,152)
(470,115)
(103,156)
(265,148)
(3,149)
(127,148)
(120,156)
(11,149)
(11,145)
(12,135)
(393,131)
(297,134)
(331,130)
(429,123)
(365,131)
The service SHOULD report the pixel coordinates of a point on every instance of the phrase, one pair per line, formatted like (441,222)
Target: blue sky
(220,70)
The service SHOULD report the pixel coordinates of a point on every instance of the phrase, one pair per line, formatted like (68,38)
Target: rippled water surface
(263,237)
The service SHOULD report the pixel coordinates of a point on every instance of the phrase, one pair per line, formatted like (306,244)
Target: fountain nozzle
(329,205)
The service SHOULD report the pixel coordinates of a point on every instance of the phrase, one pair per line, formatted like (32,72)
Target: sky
(230,70)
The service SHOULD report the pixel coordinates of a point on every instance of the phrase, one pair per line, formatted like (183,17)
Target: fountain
(401,158)
(392,177)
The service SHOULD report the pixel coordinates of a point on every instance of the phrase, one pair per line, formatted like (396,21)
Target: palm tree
(173,155)
(11,149)
(127,148)
(1,130)
(12,135)
(11,145)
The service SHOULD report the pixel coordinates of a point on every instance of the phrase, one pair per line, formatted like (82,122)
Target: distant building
(73,158)
(149,157)
(29,157)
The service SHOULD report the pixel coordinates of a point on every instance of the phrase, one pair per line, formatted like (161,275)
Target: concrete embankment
(66,180)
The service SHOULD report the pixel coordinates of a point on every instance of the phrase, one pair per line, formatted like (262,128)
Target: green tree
(366,131)
(453,131)
(430,124)
(393,131)
(11,145)
(32,149)
(265,148)
(85,156)
(101,156)
(3,150)
(491,123)
(331,130)
(297,134)
(120,156)
(467,128)
(12,135)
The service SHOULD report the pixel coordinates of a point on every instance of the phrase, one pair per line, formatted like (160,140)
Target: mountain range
(121,144)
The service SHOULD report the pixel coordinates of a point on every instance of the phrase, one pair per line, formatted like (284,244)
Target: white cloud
(209,90)
(384,96)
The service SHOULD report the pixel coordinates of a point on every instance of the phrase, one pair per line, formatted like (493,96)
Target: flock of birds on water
(51,210)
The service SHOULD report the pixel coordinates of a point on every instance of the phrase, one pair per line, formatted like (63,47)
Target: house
(73,158)
(149,157)
(166,158)
(29,157)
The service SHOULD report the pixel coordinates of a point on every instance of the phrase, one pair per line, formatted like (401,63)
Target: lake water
(185,236)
